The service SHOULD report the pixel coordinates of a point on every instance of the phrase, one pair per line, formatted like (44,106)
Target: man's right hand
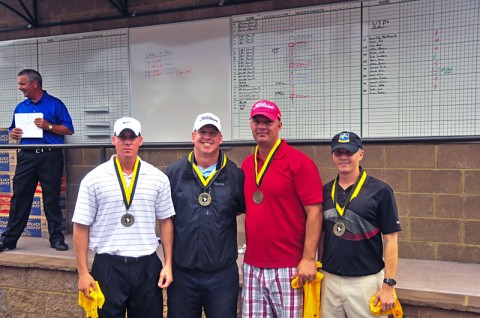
(85,282)
(16,133)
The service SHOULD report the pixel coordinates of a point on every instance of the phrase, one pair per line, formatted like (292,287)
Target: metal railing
(230,144)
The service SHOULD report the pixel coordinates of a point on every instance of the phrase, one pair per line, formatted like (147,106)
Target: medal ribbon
(358,185)
(221,163)
(259,175)
(127,192)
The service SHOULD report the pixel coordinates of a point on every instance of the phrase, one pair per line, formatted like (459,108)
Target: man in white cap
(207,192)
(115,216)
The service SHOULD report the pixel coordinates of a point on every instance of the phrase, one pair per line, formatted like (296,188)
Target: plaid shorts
(267,293)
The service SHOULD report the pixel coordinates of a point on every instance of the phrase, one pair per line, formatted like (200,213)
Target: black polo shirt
(359,250)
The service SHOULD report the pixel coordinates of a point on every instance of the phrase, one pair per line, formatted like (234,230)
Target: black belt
(123,259)
(39,150)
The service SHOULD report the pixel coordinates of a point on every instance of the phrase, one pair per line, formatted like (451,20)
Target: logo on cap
(263,104)
(344,137)
(207,117)
(266,108)
(127,123)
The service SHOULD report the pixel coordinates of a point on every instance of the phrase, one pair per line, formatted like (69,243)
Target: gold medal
(204,199)
(339,228)
(258,197)
(127,220)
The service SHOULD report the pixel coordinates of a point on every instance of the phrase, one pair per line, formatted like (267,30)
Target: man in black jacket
(207,192)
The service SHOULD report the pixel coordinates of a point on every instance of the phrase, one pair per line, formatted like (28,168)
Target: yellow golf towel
(311,295)
(90,305)
(396,311)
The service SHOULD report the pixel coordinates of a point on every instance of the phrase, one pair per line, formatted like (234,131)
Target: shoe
(4,246)
(59,246)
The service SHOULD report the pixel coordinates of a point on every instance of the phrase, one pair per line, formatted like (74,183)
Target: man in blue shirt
(38,164)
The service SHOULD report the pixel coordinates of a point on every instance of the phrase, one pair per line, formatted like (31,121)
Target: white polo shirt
(100,205)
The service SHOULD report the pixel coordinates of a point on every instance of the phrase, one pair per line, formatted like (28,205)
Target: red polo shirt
(275,228)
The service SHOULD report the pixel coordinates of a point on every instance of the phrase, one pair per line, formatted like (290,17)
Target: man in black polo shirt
(360,236)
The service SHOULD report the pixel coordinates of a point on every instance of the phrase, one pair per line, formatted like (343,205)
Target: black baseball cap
(346,140)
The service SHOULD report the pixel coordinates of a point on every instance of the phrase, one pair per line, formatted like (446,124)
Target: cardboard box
(6,183)
(5,138)
(8,160)
(37,226)
(34,227)
(37,204)
(5,203)
(63,185)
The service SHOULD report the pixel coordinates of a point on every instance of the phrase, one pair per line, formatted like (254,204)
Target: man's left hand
(41,123)
(386,297)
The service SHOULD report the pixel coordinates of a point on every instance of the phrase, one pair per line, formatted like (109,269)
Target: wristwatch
(50,127)
(390,281)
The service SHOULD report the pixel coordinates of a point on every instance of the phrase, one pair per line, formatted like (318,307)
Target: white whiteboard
(178,71)
(381,68)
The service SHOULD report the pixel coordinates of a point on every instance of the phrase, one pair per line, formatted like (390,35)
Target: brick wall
(36,292)
(436,186)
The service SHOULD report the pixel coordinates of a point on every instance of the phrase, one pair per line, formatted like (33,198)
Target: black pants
(216,292)
(33,166)
(129,285)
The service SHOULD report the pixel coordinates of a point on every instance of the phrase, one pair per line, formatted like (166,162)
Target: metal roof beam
(121,5)
(30,17)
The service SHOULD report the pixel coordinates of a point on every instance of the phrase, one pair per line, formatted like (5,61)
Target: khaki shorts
(349,296)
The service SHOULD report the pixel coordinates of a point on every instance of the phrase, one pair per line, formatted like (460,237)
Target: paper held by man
(26,121)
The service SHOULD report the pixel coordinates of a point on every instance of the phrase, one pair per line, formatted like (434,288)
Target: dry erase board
(178,71)
(390,68)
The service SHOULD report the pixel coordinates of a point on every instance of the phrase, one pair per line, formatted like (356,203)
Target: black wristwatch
(390,281)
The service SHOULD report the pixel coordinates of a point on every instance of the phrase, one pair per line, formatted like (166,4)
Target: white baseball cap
(207,119)
(127,123)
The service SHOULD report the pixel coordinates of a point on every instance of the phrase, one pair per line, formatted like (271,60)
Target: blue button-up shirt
(54,111)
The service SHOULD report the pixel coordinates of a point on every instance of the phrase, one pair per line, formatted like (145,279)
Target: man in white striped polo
(117,208)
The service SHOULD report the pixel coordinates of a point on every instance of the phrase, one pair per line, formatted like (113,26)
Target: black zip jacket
(206,236)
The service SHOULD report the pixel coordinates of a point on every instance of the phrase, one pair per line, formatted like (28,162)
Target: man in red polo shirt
(283,197)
